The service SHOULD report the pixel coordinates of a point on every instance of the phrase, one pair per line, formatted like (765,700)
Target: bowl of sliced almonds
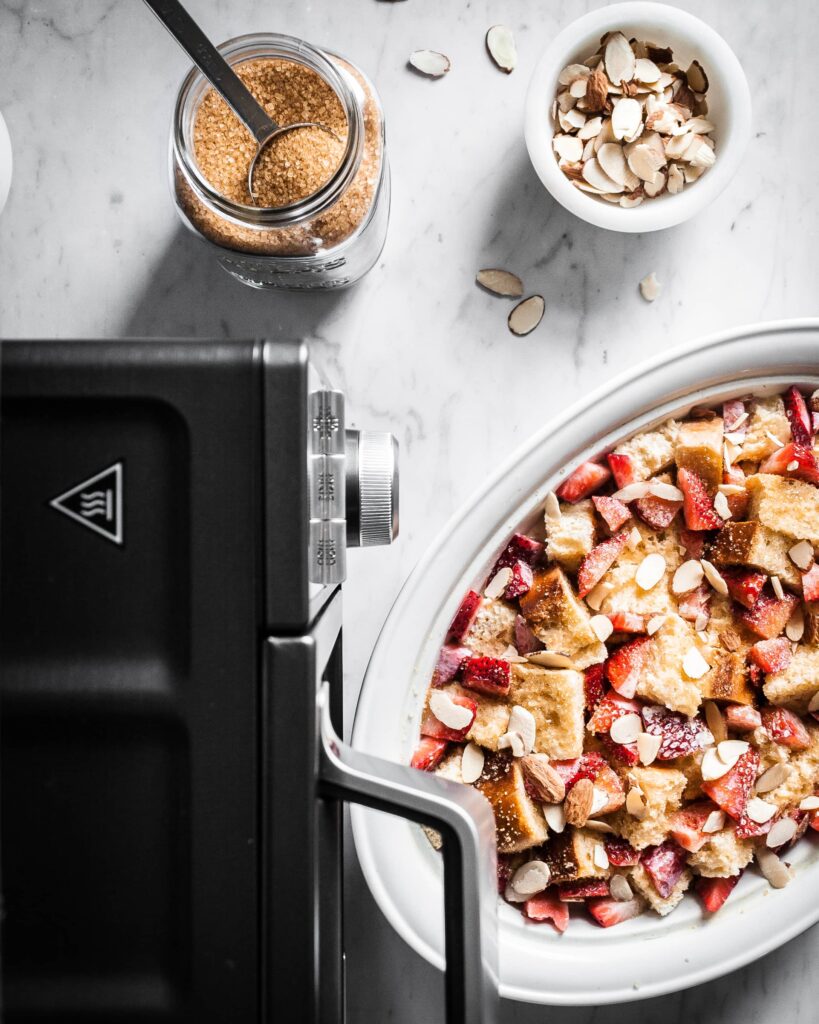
(637,116)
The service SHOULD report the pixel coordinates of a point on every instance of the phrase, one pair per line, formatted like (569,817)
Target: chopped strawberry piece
(802,819)
(626,665)
(587,766)
(609,709)
(680,735)
(429,753)
(657,512)
(504,871)
(665,864)
(693,542)
(521,582)
(696,603)
(742,717)
(585,480)
(491,676)
(801,459)
(813,820)
(769,615)
(627,622)
(621,853)
(772,655)
(785,727)
(756,677)
(732,413)
(547,907)
(732,790)
(594,685)
(810,583)
(608,912)
(450,659)
(686,825)
(464,617)
(744,585)
(698,508)
(582,889)
(525,640)
(622,753)
(737,503)
(612,511)
(748,829)
(713,892)
(519,549)
(434,727)
(799,418)
(622,468)
(598,562)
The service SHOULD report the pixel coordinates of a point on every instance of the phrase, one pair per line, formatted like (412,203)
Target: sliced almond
(676,183)
(699,125)
(696,77)
(550,659)
(721,505)
(600,857)
(801,555)
(522,721)
(601,627)
(453,716)
(619,58)
(782,832)
(773,778)
(635,803)
(775,871)
(613,162)
(499,582)
(656,185)
(634,539)
(633,491)
(501,46)
(795,629)
(531,877)
(568,147)
(713,576)
(620,889)
(626,118)
(472,761)
(810,803)
(776,584)
(650,571)
(687,577)
(626,728)
(648,746)
(430,63)
(578,87)
(512,741)
(712,767)
(654,623)
(578,802)
(760,811)
(555,816)
(511,895)
(500,282)
(571,72)
(715,822)
(596,596)
(646,70)
(525,317)
(543,781)
(650,287)
(668,492)
(598,825)
(552,507)
(715,721)
(599,800)
(730,751)
(597,177)
(590,129)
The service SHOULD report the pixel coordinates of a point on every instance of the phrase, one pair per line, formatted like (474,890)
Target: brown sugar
(295,165)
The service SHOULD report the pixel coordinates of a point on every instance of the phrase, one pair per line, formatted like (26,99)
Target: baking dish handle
(467,826)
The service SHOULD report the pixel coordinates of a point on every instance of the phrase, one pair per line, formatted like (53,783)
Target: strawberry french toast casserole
(635,689)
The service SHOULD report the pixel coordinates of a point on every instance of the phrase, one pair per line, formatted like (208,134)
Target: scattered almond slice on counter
(650,287)
(500,282)
(525,317)
(430,63)
(501,46)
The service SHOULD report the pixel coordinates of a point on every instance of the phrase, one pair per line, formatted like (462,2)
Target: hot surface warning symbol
(96,503)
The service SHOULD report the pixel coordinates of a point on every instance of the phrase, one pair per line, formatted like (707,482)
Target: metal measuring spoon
(225,80)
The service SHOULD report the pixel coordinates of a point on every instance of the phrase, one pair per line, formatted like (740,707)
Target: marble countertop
(90,247)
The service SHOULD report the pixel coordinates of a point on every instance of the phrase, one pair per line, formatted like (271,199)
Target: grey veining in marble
(90,246)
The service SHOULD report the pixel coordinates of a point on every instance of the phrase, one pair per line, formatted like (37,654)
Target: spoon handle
(213,66)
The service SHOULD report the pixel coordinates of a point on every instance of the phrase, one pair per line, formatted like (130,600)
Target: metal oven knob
(372,488)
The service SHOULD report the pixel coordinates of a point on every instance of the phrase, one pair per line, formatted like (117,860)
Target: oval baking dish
(402,870)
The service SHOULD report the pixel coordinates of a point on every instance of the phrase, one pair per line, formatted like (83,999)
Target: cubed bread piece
(811,635)
(803,774)
(662,790)
(570,855)
(570,538)
(664,680)
(556,616)
(691,767)
(556,700)
(493,629)
(751,543)
(767,418)
(722,856)
(794,687)
(642,883)
(621,590)
(491,717)
(787,506)
(450,767)
(519,821)
(770,753)
(651,451)
(728,679)
(699,448)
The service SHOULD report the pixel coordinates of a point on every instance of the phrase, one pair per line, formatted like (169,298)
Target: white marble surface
(90,246)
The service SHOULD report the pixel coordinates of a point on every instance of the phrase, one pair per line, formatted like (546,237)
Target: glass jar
(329,239)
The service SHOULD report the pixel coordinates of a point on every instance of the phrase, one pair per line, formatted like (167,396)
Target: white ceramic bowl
(729,107)
(404,874)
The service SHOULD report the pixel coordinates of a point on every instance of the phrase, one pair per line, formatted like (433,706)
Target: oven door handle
(467,826)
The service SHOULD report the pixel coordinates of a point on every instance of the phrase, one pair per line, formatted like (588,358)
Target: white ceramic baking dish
(649,955)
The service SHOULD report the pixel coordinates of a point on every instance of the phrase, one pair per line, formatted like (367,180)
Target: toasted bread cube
(811,635)
(651,451)
(642,883)
(723,855)
(450,767)
(491,718)
(493,629)
(767,418)
(786,506)
(699,448)
(570,855)
(691,767)
(519,821)
(662,789)
(728,679)
(664,680)
(559,620)
(570,538)
(803,774)
(794,687)
(556,700)
(751,543)
(623,592)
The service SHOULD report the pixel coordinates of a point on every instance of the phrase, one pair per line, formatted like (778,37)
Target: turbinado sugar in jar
(319,215)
